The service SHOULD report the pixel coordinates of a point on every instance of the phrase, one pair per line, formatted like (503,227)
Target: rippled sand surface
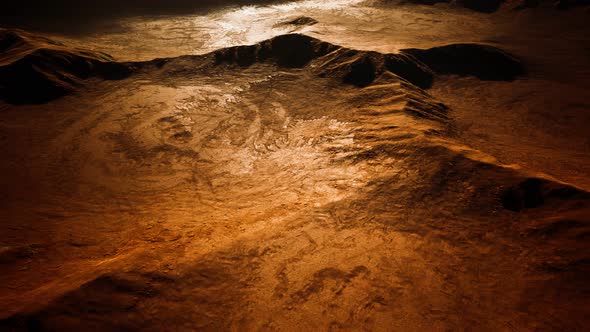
(244,190)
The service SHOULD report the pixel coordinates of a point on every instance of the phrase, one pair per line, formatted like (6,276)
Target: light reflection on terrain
(351,23)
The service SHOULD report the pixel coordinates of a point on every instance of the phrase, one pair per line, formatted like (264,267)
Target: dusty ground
(198,195)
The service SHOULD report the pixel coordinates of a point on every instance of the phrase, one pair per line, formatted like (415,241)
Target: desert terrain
(340,165)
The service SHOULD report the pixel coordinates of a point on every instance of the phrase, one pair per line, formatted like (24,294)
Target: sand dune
(34,69)
(288,185)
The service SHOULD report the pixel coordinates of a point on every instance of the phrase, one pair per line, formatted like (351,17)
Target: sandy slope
(251,189)
(34,69)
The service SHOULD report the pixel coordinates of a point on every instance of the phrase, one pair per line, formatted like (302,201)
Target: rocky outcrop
(360,68)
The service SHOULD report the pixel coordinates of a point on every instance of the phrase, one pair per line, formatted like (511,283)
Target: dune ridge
(36,70)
